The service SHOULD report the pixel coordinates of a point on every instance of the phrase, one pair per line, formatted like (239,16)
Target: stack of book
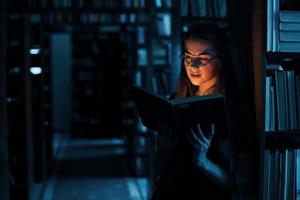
(283,29)
(289,28)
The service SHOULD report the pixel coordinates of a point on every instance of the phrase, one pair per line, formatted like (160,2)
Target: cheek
(211,71)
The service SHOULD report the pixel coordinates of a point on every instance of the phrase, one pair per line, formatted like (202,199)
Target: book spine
(289,46)
(289,26)
(275,25)
(290,36)
(289,16)
(270,25)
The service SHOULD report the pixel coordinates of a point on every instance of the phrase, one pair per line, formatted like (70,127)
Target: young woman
(200,166)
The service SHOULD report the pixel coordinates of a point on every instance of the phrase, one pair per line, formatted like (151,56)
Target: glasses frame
(198,61)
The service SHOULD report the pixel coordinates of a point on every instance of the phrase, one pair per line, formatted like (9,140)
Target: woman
(200,166)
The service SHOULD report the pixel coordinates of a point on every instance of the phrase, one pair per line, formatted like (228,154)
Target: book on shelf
(289,16)
(290,36)
(275,25)
(271,25)
(290,155)
(289,26)
(180,113)
(222,8)
(184,8)
(297,90)
(163,23)
(198,8)
(289,46)
(281,107)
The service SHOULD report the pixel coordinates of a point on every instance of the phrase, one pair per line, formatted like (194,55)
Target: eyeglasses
(197,61)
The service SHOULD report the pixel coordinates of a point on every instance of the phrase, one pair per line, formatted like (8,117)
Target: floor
(89,169)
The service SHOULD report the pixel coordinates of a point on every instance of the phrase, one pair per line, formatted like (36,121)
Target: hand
(200,144)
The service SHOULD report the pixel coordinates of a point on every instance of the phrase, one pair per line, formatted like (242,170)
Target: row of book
(204,8)
(91,18)
(161,53)
(282,113)
(163,24)
(100,3)
(163,3)
(121,18)
(283,29)
(87,3)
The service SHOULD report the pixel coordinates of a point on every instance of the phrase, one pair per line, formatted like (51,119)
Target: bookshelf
(93,68)
(277,86)
(36,57)
(47,95)
(19,106)
(28,101)
(4,167)
(283,140)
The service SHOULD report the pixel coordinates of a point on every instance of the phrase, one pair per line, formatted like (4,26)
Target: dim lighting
(35,70)
(34,51)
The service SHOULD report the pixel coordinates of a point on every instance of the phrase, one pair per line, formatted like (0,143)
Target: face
(200,51)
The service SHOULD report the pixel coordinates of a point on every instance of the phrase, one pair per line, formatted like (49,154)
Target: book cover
(180,113)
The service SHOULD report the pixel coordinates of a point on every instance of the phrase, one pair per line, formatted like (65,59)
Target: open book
(180,113)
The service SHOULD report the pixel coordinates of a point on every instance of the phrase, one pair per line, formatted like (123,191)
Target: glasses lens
(196,62)
(187,60)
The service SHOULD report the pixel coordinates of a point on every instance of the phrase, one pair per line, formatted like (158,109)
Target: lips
(195,75)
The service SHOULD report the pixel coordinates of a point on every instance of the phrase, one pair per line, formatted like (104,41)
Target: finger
(201,135)
(195,140)
(212,132)
(192,142)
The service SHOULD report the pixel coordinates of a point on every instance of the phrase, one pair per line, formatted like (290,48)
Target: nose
(196,62)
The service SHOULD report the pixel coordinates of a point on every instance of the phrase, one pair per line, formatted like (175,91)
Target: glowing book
(180,113)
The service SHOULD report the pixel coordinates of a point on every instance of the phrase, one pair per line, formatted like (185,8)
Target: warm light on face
(200,53)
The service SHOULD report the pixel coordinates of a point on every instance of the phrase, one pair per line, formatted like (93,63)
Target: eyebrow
(205,52)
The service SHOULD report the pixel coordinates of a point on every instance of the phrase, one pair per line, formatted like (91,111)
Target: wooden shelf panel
(283,140)
(282,56)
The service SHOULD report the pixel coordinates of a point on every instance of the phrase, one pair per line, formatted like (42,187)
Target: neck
(207,87)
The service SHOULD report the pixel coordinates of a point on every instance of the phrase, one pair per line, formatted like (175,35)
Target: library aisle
(93,169)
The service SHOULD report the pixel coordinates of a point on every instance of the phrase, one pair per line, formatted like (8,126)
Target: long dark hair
(218,39)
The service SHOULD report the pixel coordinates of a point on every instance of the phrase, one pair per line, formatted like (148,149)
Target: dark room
(149,99)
